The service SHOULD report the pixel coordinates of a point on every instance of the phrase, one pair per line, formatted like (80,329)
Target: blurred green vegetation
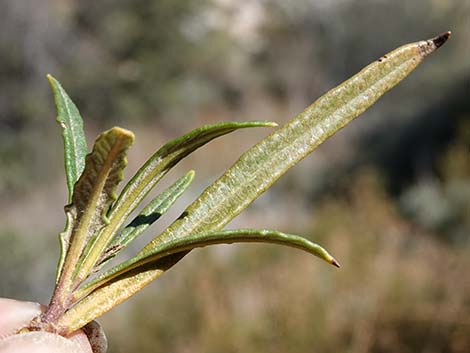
(389,196)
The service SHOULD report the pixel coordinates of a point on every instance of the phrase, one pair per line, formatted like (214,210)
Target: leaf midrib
(147,251)
(230,196)
(85,221)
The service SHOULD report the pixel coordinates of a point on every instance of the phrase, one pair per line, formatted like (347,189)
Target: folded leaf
(75,150)
(151,213)
(94,192)
(146,178)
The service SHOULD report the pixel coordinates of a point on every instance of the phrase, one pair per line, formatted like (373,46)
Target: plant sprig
(96,216)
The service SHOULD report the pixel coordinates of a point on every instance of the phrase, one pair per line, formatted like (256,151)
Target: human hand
(15,315)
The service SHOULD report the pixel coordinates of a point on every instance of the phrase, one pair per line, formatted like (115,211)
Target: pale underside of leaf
(147,177)
(96,189)
(75,150)
(257,169)
(94,192)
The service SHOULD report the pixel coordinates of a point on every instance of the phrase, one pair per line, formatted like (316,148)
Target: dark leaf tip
(335,263)
(441,39)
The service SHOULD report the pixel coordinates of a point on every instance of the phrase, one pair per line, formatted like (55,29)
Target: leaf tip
(335,263)
(263,123)
(52,80)
(441,39)
(191,174)
(123,132)
(429,46)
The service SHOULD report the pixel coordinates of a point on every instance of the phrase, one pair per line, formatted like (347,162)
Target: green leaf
(108,297)
(94,192)
(237,236)
(64,239)
(257,170)
(146,178)
(259,167)
(164,249)
(75,150)
(151,213)
(102,289)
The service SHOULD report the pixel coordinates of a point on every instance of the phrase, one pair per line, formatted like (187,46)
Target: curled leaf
(164,249)
(94,192)
(190,242)
(102,289)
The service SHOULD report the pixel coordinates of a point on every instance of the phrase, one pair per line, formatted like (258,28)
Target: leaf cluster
(98,224)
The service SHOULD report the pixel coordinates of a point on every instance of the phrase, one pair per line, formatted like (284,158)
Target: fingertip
(15,315)
(81,340)
(39,342)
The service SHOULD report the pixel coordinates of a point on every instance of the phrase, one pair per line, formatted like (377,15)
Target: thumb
(39,342)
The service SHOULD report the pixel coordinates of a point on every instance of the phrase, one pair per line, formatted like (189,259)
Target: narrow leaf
(260,167)
(147,177)
(166,157)
(171,247)
(151,213)
(94,192)
(75,150)
(108,297)
(64,238)
(164,255)
(190,242)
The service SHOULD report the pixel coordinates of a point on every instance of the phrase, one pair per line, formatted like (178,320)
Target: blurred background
(389,196)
